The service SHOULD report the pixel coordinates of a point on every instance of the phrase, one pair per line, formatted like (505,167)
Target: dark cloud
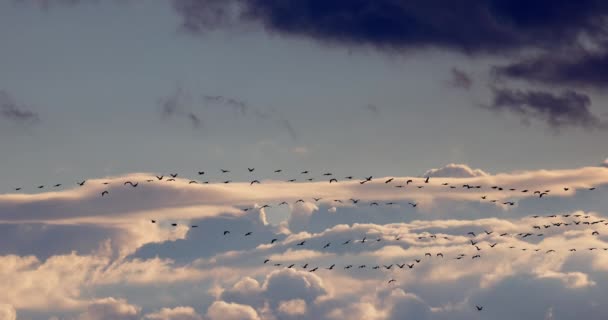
(578,69)
(175,105)
(569,108)
(12,111)
(470,26)
(460,79)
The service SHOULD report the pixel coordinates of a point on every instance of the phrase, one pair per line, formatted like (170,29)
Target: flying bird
(389,180)
(254,181)
(333,180)
(250,169)
(173,175)
(81,183)
(104,192)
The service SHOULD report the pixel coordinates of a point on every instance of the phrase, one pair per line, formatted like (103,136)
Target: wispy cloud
(18,113)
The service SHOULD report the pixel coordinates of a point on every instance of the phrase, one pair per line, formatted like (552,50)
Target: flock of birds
(475,241)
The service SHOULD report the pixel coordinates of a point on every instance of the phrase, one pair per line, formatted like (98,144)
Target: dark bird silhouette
(327,174)
(273,241)
(313,270)
(170,179)
(440,254)
(193,226)
(566,189)
(317,199)
(411,266)
(333,180)
(291,180)
(153,221)
(401,266)
(224,171)
(200,173)
(304,172)
(331,267)
(427,180)
(174,224)
(103,193)
(283,203)
(414,205)
(173,175)
(250,169)
(595,233)
(248,233)
(349,177)
(57,185)
(277,171)
(254,181)
(301,243)
(17,189)
(493,245)
(227,181)
(266,261)
(131,183)
(226,232)
(291,266)
(192,181)
(417,260)
(476,256)
(373,204)
(354,200)
(159,177)
(40,187)
(300,200)
(392,280)
(81,183)
(479,308)
(327,245)
(388,267)
(346,242)
(389,180)
(409,181)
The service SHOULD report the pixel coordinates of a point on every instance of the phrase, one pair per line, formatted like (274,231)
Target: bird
(104,192)
(173,175)
(300,200)
(392,280)
(440,254)
(283,203)
(566,189)
(250,169)
(374,204)
(476,256)
(153,221)
(193,226)
(426,180)
(301,243)
(227,181)
(479,308)
(277,171)
(273,241)
(333,180)
(389,180)
(409,181)
(266,261)
(493,245)
(346,242)
(411,266)
(313,270)
(81,183)
(327,245)
(363,241)
(354,200)
(488,232)
(57,185)
(170,179)
(401,266)
(17,189)
(40,187)
(224,170)
(317,199)
(327,174)
(413,204)
(248,233)
(594,233)
(159,177)
(349,177)
(174,224)
(291,180)
(131,183)
(254,181)
(388,267)
(226,232)
(291,266)
(200,173)
(331,267)
(192,181)
(304,172)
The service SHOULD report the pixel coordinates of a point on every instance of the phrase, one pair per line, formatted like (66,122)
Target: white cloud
(454,170)
(110,308)
(221,310)
(177,313)
(293,307)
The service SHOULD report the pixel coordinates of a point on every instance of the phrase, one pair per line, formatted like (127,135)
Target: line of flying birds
(426,180)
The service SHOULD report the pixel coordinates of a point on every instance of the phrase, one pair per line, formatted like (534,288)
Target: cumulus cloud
(221,310)
(111,308)
(7,312)
(293,307)
(455,171)
(177,313)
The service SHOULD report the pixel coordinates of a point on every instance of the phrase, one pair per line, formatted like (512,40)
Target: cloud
(12,111)
(293,307)
(7,312)
(460,79)
(177,313)
(580,69)
(568,109)
(455,171)
(111,308)
(176,104)
(475,26)
(221,310)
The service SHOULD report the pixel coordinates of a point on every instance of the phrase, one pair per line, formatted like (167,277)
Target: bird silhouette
(224,170)
(301,243)
(389,180)
(273,241)
(248,233)
(174,224)
(277,171)
(327,245)
(131,183)
(426,180)
(200,173)
(479,308)
(81,183)
(159,177)
(254,181)
(250,169)
(57,185)
(304,172)
(266,261)
(103,193)
(333,180)
(226,232)
(153,221)
(173,175)
(392,280)
(409,181)
(331,267)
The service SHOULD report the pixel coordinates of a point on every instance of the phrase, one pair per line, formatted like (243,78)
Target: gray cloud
(460,79)
(568,109)
(176,104)
(12,111)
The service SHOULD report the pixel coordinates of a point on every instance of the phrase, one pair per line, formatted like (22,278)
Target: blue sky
(487,92)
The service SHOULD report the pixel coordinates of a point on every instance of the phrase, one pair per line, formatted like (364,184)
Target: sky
(488,93)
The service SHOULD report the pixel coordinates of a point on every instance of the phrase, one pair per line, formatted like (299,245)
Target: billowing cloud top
(83,249)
